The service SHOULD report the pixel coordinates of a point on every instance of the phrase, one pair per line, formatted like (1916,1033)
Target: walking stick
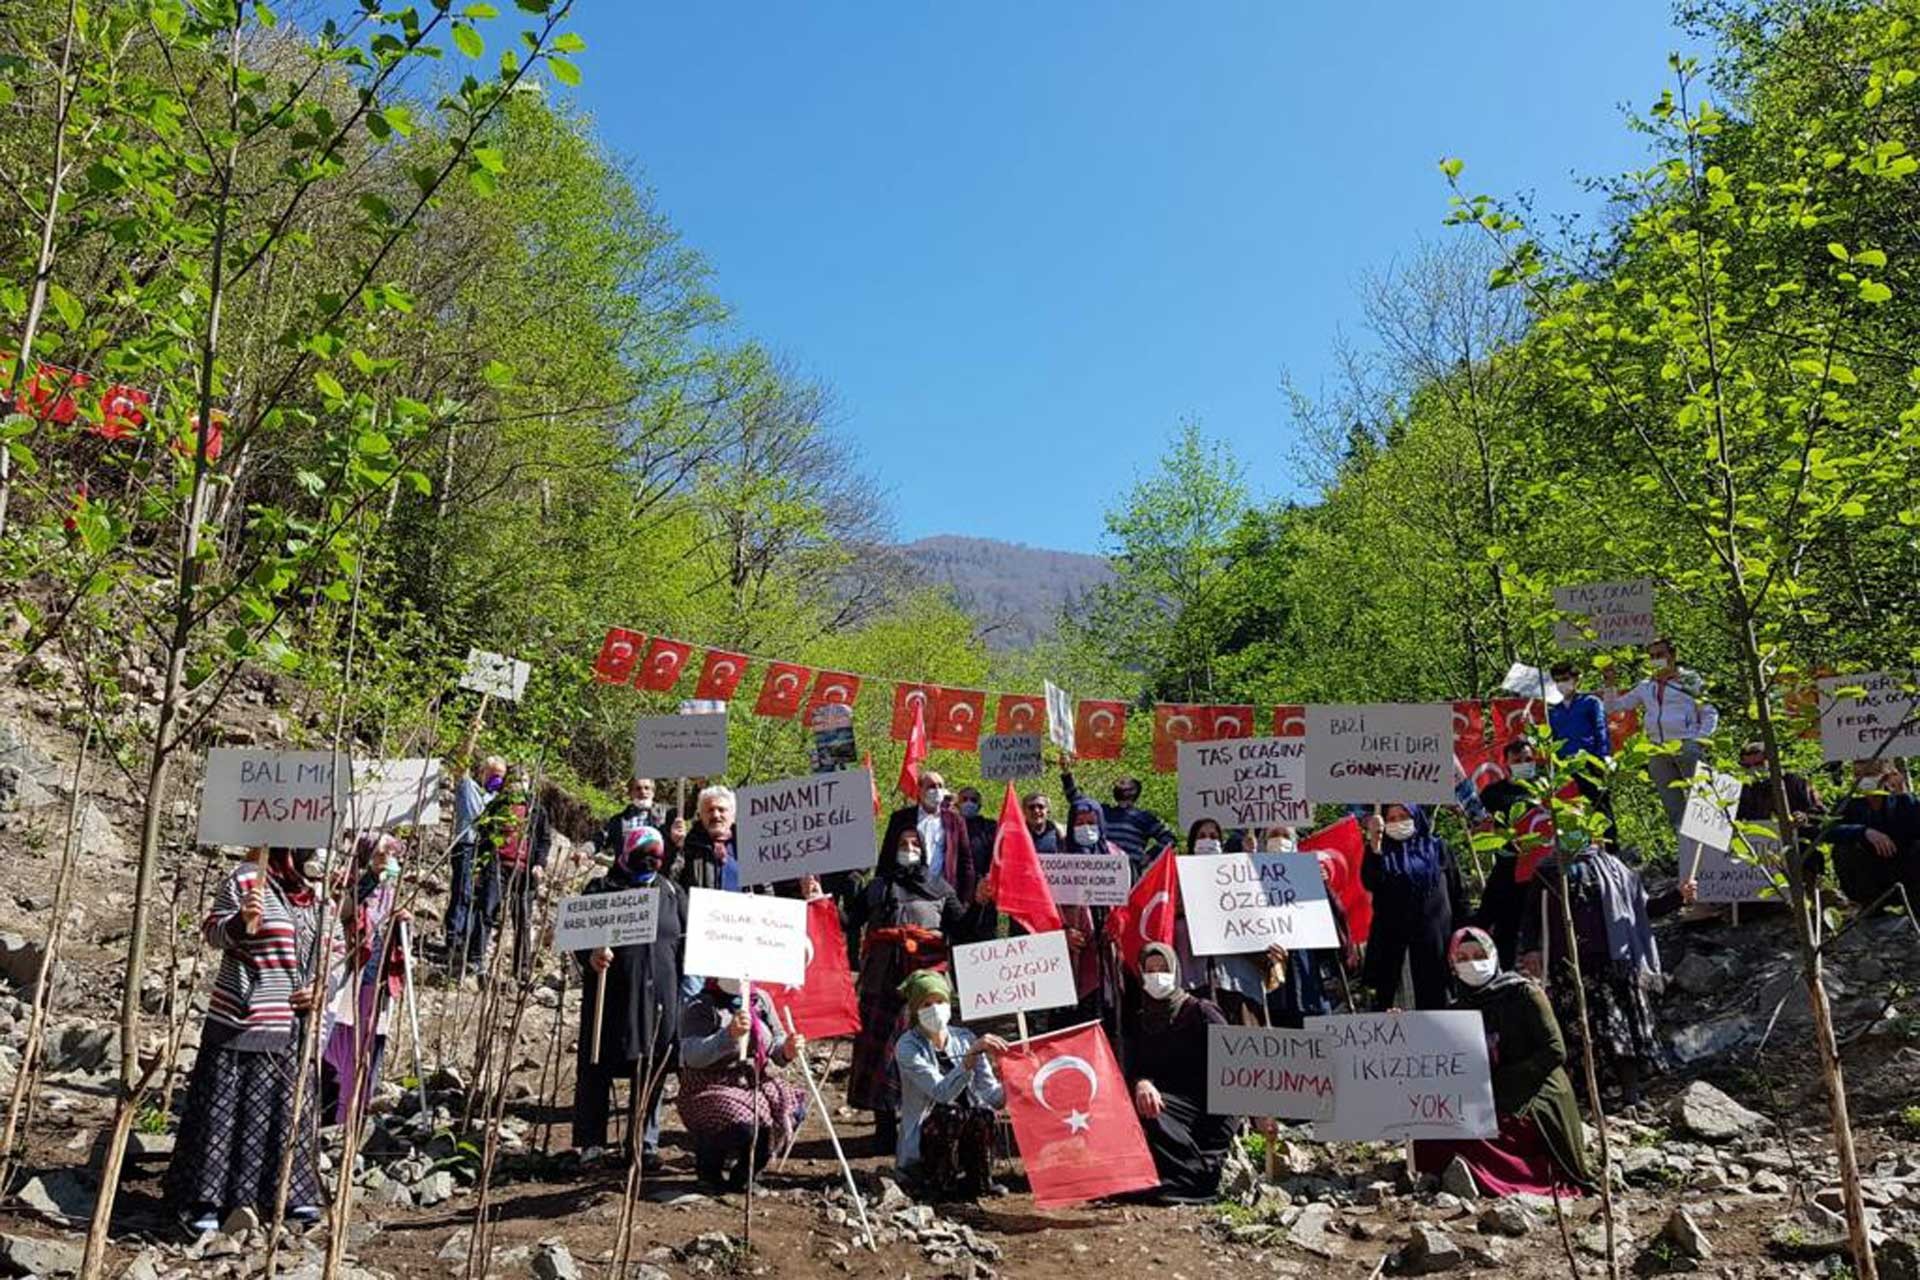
(753,1130)
(599,1013)
(413,1012)
(826,1118)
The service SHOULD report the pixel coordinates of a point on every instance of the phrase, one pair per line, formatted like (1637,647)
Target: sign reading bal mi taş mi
(288,798)
(808,826)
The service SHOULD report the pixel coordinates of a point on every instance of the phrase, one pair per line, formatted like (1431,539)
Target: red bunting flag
(720,674)
(1290,721)
(824,1006)
(1099,730)
(1073,1118)
(1173,724)
(618,652)
(957,714)
(1224,723)
(1340,847)
(1021,713)
(910,700)
(665,660)
(833,688)
(1150,911)
(1019,887)
(916,753)
(780,691)
(1515,718)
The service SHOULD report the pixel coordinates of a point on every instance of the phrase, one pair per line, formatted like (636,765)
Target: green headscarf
(923,983)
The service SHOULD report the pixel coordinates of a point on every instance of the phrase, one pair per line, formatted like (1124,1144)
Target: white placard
(1059,717)
(1236,903)
(680,746)
(1712,800)
(1013,975)
(1268,1071)
(1407,1075)
(754,937)
(1881,722)
(1087,879)
(1006,756)
(1531,682)
(1744,877)
(1380,753)
(394,793)
(287,798)
(1245,783)
(1605,615)
(806,826)
(495,674)
(595,920)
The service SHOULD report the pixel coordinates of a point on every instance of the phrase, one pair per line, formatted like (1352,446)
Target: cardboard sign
(806,827)
(1407,1075)
(1087,879)
(680,746)
(595,920)
(1712,800)
(754,937)
(1268,1071)
(495,675)
(1880,722)
(1247,783)
(1237,903)
(1380,753)
(1746,876)
(1013,975)
(394,793)
(288,798)
(1059,717)
(1006,756)
(1604,615)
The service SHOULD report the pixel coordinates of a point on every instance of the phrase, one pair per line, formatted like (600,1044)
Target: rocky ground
(1725,1171)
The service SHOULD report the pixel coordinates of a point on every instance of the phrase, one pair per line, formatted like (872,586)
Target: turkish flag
(909,700)
(618,652)
(1150,911)
(1020,888)
(1223,723)
(720,675)
(780,691)
(1173,724)
(916,753)
(1513,717)
(1073,1118)
(1472,749)
(1340,848)
(957,714)
(1021,713)
(123,410)
(666,659)
(1533,837)
(1290,721)
(832,688)
(823,1006)
(1099,730)
(1622,725)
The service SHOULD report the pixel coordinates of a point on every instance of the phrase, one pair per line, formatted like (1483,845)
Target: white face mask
(932,796)
(1475,973)
(1206,845)
(1086,837)
(1524,770)
(934,1017)
(1401,830)
(1281,844)
(314,868)
(729,985)
(1158,985)
(1568,689)
(910,859)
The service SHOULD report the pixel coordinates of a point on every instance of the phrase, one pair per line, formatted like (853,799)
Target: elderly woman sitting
(1167,1067)
(735,1108)
(948,1095)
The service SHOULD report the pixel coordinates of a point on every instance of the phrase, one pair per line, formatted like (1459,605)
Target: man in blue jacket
(1579,724)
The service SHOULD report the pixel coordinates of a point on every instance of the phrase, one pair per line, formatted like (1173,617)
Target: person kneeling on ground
(1876,842)
(1167,1066)
(948,1096)
(1541,1147)
(726,1092)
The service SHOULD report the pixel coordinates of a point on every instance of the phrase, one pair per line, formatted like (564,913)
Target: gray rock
(1505,1218)
(60,1195)
(1805,1237)
(1704,1041)
(1685,1235)
(20,959)
(1704,1112)
(1310,1230)
(145,1267)
(81,1046)
(151,1148)
(456,1246)
(1427,1251)
(1768,1183)
(393,1195)
(1699,976)
(1457,1179)
(29,1256)
(240,1221)
(98,842)
(435,1188)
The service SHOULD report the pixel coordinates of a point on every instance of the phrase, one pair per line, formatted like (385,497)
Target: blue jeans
(460,913)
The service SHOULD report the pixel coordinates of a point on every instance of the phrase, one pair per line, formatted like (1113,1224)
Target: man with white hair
(470,796)
(709,860)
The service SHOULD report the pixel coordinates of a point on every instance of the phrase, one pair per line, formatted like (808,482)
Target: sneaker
(200,1221)
(305,1214)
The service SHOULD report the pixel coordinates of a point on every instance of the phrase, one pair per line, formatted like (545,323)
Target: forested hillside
(1014,593)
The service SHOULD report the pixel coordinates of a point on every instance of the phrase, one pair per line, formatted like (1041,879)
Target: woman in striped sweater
(239,1106)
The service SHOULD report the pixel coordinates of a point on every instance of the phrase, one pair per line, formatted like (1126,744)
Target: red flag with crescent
(1340,848)
(1514,718)
(1224,723)
(618,652)
(1149,913)
(1019,887)
(1290,720)
(909,699)
(833,688)
(1073,1118)
(824,1006)
(720,674)
(666,659)
(915,754)
(780,692)
(1099,730)
(1021,713)
(956,719)
(1173,724)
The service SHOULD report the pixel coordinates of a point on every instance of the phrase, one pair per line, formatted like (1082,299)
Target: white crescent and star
(1229,726)
(786,680)
(962,713)
(1146,913)
(1100,723)
(1182,724)
(1077,1121)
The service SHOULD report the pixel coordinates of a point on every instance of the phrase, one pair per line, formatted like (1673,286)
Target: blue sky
(1023,242)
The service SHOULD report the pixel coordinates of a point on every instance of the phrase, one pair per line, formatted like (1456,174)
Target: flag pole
(826,1118)
(413,1012)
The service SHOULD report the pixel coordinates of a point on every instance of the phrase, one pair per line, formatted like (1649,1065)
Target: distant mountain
(1014,593)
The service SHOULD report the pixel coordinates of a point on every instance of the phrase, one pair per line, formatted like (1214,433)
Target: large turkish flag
(1073,1118)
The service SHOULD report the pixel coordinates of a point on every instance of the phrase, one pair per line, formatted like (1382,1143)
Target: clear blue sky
(1023,241)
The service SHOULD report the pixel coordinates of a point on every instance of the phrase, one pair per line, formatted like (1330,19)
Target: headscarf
(1155,1015)
(1087,805)
(1193,832)
(1415,862)
(283,867)
(1501,979)
(919,881)
(373,853)
(923,983)
(643,851)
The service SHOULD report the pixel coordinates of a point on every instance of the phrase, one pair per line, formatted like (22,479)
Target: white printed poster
(1712,800)
(1604,615)
(1380,753)
(1059,717)
(684,746)
(286,798)
(495,675)
(1087,879)
(1268,1071)
(1237,903)
(807,826)
(394,793)
(1407,1075)
(754,937)
(1246,783)
(594,920)
(1879,720)
(1013,975)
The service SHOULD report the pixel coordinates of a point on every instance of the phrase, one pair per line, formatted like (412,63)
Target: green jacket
(1529,1069)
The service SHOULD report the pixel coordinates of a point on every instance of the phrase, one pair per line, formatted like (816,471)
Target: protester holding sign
(354,1035)
(1235,984)
(1096,968)
(1542,1148)
(639,1013)
(1417,893)
(1166,1065)
(1139,833)
(1876,842)
(728,1091)
(466,933)
(1673,709)
(948,1095)
(1580,728)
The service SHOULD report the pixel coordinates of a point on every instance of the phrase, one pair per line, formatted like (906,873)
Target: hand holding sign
(254,905)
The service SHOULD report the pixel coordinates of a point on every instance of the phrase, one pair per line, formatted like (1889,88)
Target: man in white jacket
(1673,708)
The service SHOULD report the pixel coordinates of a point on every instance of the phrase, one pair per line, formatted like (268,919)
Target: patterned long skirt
(718,1106)
(873,1082)
(234,1127)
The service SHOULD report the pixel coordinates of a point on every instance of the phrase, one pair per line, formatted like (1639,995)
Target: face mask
(730,986)
(1401,830)
(1567,688)
(1524,771)
(1475,973)
(1206,845)
(1280,844)
(495,783)
(1158,985)
(969,808)
(910,859)
(932,797)
(934,1017)
(1086,837)
(392,870)
(314,868)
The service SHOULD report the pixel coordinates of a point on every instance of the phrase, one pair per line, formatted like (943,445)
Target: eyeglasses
(1038,806)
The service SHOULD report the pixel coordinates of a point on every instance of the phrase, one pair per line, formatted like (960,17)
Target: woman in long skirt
(728,1089)
(1167,1067)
